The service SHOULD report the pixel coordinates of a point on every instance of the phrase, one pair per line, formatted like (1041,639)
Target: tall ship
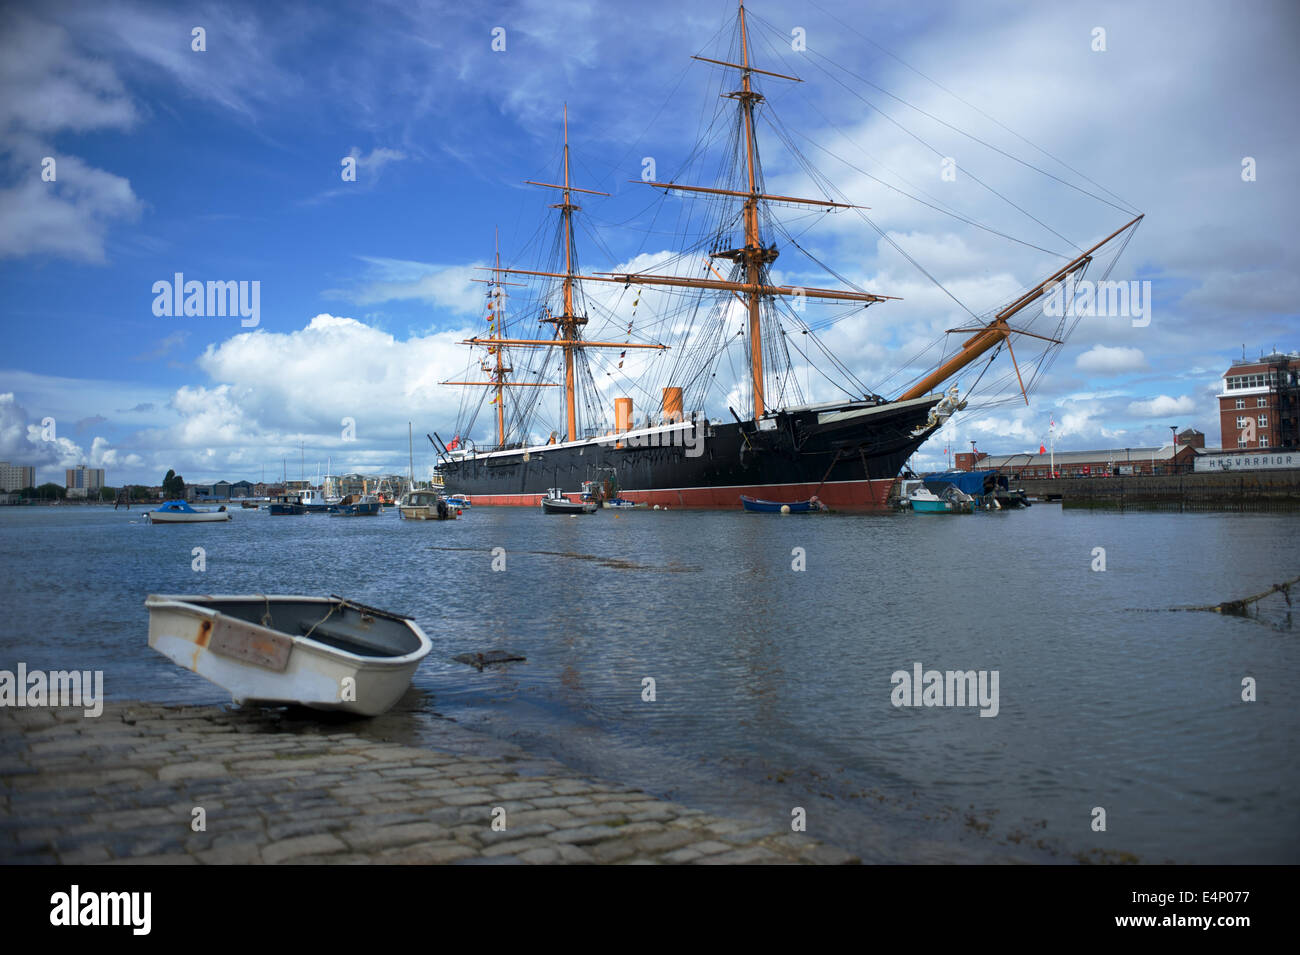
(714,343)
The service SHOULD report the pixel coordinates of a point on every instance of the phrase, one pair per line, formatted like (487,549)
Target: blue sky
(225,165)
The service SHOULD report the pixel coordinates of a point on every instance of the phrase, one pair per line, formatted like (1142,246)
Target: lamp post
(972,456)
(1173,444)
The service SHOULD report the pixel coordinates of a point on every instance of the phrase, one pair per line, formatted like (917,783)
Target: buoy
(785,508)
(656,507)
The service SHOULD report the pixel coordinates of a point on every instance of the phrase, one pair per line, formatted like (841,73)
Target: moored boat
(556,503)
(366,506)
(284,505)
(327,653)
(948,501)
(695,449)
(180,512)
(426,506)
(812,505)
(989,489)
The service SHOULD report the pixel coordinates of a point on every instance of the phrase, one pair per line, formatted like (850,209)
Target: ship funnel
(622,416)
(672,405)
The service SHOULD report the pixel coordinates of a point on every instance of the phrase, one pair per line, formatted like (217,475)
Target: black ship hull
(847,455)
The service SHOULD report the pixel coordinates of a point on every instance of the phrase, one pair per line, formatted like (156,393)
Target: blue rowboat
(778,507)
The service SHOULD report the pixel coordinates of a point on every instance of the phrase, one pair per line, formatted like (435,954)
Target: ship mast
(753,256)
(753,251)
(499,376)
(568,324)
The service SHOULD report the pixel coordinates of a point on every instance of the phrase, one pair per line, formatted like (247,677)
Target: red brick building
(1259,403)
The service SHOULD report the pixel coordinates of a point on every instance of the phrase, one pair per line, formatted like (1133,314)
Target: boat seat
(342,637)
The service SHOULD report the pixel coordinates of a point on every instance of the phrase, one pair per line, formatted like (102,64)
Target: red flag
(455,443)
(1042,450)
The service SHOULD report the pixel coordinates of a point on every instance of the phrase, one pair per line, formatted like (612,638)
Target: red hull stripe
(845,495)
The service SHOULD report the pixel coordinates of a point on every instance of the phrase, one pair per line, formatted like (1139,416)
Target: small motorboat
(460,501)
(286,504)
(180,512)
(620,502)
(313,501)
(367,506)
(327,653)
(248,505)
(427,506)
(556,503)
(948,501)
(810,506)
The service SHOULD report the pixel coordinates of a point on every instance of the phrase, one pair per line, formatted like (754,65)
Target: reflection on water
(772,685)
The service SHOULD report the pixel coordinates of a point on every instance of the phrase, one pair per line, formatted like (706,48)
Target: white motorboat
(327,653)
(427,506)
(179,512)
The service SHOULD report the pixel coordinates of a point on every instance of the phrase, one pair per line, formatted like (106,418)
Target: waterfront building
(82,481)
(1260,402)
(1116,462)
(15,477)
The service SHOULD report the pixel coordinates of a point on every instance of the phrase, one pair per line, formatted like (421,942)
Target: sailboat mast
(566,210)
(498,312)
(753,244)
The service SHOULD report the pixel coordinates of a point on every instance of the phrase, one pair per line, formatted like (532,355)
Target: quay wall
(1274,490)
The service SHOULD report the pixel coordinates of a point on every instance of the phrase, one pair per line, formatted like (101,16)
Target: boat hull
(778,507)
(311,674)
(181,517)
(427,514)
(848,457)
(364,509)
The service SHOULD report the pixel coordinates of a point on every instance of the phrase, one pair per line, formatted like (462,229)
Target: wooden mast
(998,330)
(569,332)
(498,376)
(568,324)
(753,243)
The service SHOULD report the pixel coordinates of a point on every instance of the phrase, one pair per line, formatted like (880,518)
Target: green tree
(51,492)
(173,485)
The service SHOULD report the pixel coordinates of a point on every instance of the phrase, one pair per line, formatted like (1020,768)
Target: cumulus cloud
(1104,360)
(24,440)
(1161,406)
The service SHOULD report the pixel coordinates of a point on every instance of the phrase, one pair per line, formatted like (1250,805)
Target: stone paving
(124,788)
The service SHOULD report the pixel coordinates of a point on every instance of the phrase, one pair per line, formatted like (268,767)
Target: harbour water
(772,685)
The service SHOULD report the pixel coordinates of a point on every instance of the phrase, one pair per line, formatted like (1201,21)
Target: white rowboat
(327,653)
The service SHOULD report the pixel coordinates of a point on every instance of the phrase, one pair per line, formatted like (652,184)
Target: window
(1241,404)
(1263,421)
(1263,441)
(1241,442)
(1242,422)
(1261,403)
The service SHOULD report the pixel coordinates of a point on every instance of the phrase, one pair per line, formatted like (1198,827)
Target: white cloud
(50,88)
(1104,360)
(1161,406)
(444,286)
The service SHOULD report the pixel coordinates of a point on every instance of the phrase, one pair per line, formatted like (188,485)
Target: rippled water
(773,686)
